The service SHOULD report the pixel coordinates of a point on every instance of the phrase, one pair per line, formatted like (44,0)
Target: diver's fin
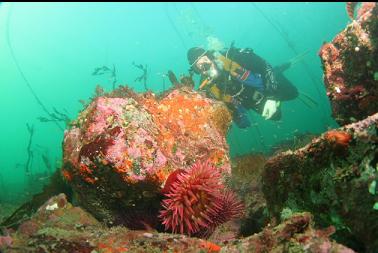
(283,67)
(298,58)
(307,100)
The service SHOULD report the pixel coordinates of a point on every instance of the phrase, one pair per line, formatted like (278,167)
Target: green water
(58,45)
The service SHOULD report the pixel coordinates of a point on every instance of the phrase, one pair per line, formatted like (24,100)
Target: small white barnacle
(52,207)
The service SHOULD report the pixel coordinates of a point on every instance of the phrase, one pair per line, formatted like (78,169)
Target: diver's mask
(212,72)
(206,67)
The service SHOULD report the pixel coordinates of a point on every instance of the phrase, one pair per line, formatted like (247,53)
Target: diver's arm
(258,65)
(271,84)
(270,107)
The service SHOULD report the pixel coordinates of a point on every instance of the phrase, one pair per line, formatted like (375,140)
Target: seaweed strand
(44,108)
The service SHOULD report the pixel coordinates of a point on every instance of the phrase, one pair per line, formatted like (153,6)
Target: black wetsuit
(275,85)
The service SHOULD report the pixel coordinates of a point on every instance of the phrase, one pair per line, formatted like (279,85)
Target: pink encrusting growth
(197,201)
(350,66)
(107,140)
(107,110)
(145,138)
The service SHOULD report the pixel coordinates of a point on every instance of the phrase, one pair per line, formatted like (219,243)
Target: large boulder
(123,146)
(350,63)
(335,178)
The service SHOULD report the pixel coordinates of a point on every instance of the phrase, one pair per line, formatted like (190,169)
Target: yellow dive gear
(230,65)
(218,94)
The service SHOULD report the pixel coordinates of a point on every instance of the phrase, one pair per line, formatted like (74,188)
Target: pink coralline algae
(121,149)
(351,67)
(5,241)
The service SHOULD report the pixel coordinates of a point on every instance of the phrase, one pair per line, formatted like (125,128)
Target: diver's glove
(270,108)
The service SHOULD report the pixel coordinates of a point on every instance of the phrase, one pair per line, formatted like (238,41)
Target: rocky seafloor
(152,173)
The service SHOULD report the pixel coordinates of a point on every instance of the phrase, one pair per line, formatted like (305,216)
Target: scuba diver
(243,80)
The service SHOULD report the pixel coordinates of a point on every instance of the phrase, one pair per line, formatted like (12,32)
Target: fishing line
(197,13)
(20,69)
(256,126)
(205,33)
(174,26)
(236,138)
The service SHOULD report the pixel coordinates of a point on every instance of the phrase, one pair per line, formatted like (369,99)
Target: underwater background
(58,45)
